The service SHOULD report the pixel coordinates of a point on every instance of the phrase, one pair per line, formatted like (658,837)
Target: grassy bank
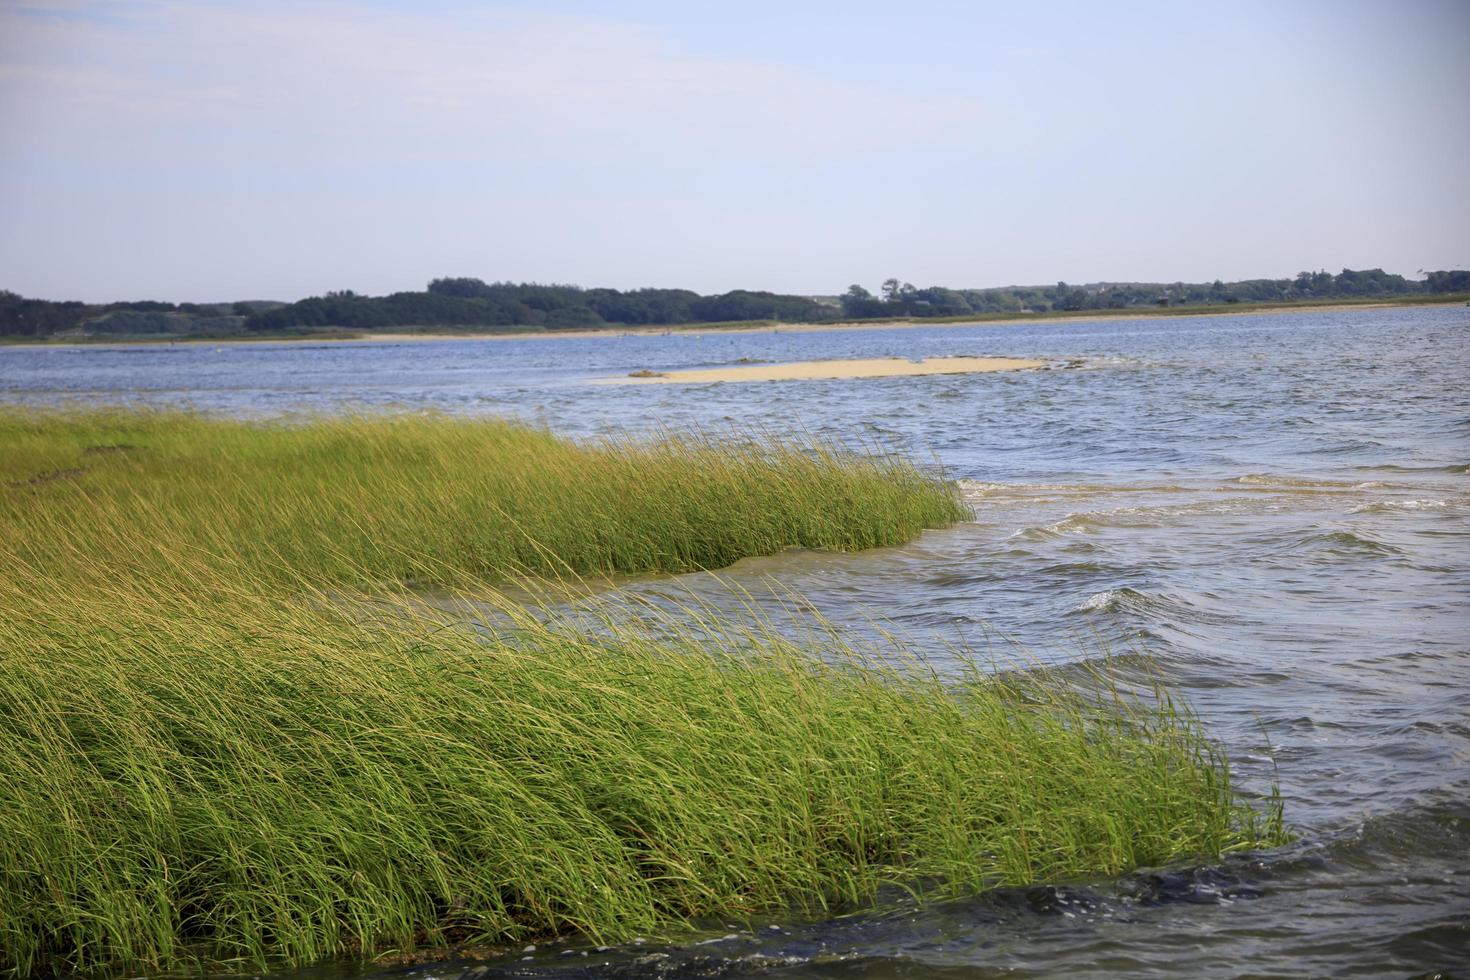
(431,500)
(186,778)
(229,731)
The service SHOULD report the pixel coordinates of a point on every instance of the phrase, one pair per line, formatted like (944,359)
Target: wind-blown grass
(438,500)
(283,781)
(226,733)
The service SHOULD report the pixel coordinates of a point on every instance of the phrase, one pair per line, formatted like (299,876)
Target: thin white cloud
(472,84)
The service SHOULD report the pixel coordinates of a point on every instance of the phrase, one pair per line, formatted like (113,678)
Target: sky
(211,151)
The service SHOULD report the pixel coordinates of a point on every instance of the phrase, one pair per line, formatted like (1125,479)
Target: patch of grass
(210,775)
(434,499)
(228,730)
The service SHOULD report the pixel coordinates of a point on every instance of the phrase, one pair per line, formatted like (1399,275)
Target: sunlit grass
(228,730)
(230,777)
(436,500)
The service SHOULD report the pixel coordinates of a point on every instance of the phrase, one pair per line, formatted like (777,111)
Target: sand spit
(875,367)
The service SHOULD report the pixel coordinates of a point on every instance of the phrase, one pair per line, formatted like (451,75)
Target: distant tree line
(473,303)
(21,317)
(903,299)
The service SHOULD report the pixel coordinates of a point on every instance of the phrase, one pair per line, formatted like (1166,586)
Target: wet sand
(876,367)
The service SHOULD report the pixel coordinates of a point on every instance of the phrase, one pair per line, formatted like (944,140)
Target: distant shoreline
(747,327)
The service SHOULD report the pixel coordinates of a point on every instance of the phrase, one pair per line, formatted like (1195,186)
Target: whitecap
(1379,506)
(1101,601)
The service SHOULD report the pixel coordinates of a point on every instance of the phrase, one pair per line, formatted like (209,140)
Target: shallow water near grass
(1273,511)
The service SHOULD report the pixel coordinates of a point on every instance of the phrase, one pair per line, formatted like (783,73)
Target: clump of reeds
(423,498)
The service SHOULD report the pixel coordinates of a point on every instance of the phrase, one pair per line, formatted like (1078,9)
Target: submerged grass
(214,748)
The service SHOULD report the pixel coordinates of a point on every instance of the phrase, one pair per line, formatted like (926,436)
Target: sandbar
(873,367)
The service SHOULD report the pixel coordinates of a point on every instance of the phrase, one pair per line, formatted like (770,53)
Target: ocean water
(1272,510)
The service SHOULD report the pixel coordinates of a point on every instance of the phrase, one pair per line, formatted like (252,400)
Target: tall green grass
(287,781)
(228,732)
(436,500)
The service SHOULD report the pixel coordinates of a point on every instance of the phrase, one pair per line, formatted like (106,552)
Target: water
(1275,510)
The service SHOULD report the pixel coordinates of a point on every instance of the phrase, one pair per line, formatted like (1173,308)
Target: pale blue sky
(215,150)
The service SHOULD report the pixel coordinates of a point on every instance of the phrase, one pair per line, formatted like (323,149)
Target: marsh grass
(288,781)
(436,500)
(229,732)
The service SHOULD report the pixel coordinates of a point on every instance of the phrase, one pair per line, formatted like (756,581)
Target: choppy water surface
(1274,509)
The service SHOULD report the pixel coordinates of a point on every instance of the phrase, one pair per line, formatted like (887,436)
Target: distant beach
(872,367)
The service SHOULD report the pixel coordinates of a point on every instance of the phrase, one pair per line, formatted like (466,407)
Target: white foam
(1379,506)
(1100,602)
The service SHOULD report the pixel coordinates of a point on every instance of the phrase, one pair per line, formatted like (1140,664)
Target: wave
(1110,600)
(1387,506)
(986,487)
(1457,468)
(1136,518)
(1251,494)
(1295,482)
(1170,609)
(978,489)
(1430,831)
(1348,542)
(1071,524)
